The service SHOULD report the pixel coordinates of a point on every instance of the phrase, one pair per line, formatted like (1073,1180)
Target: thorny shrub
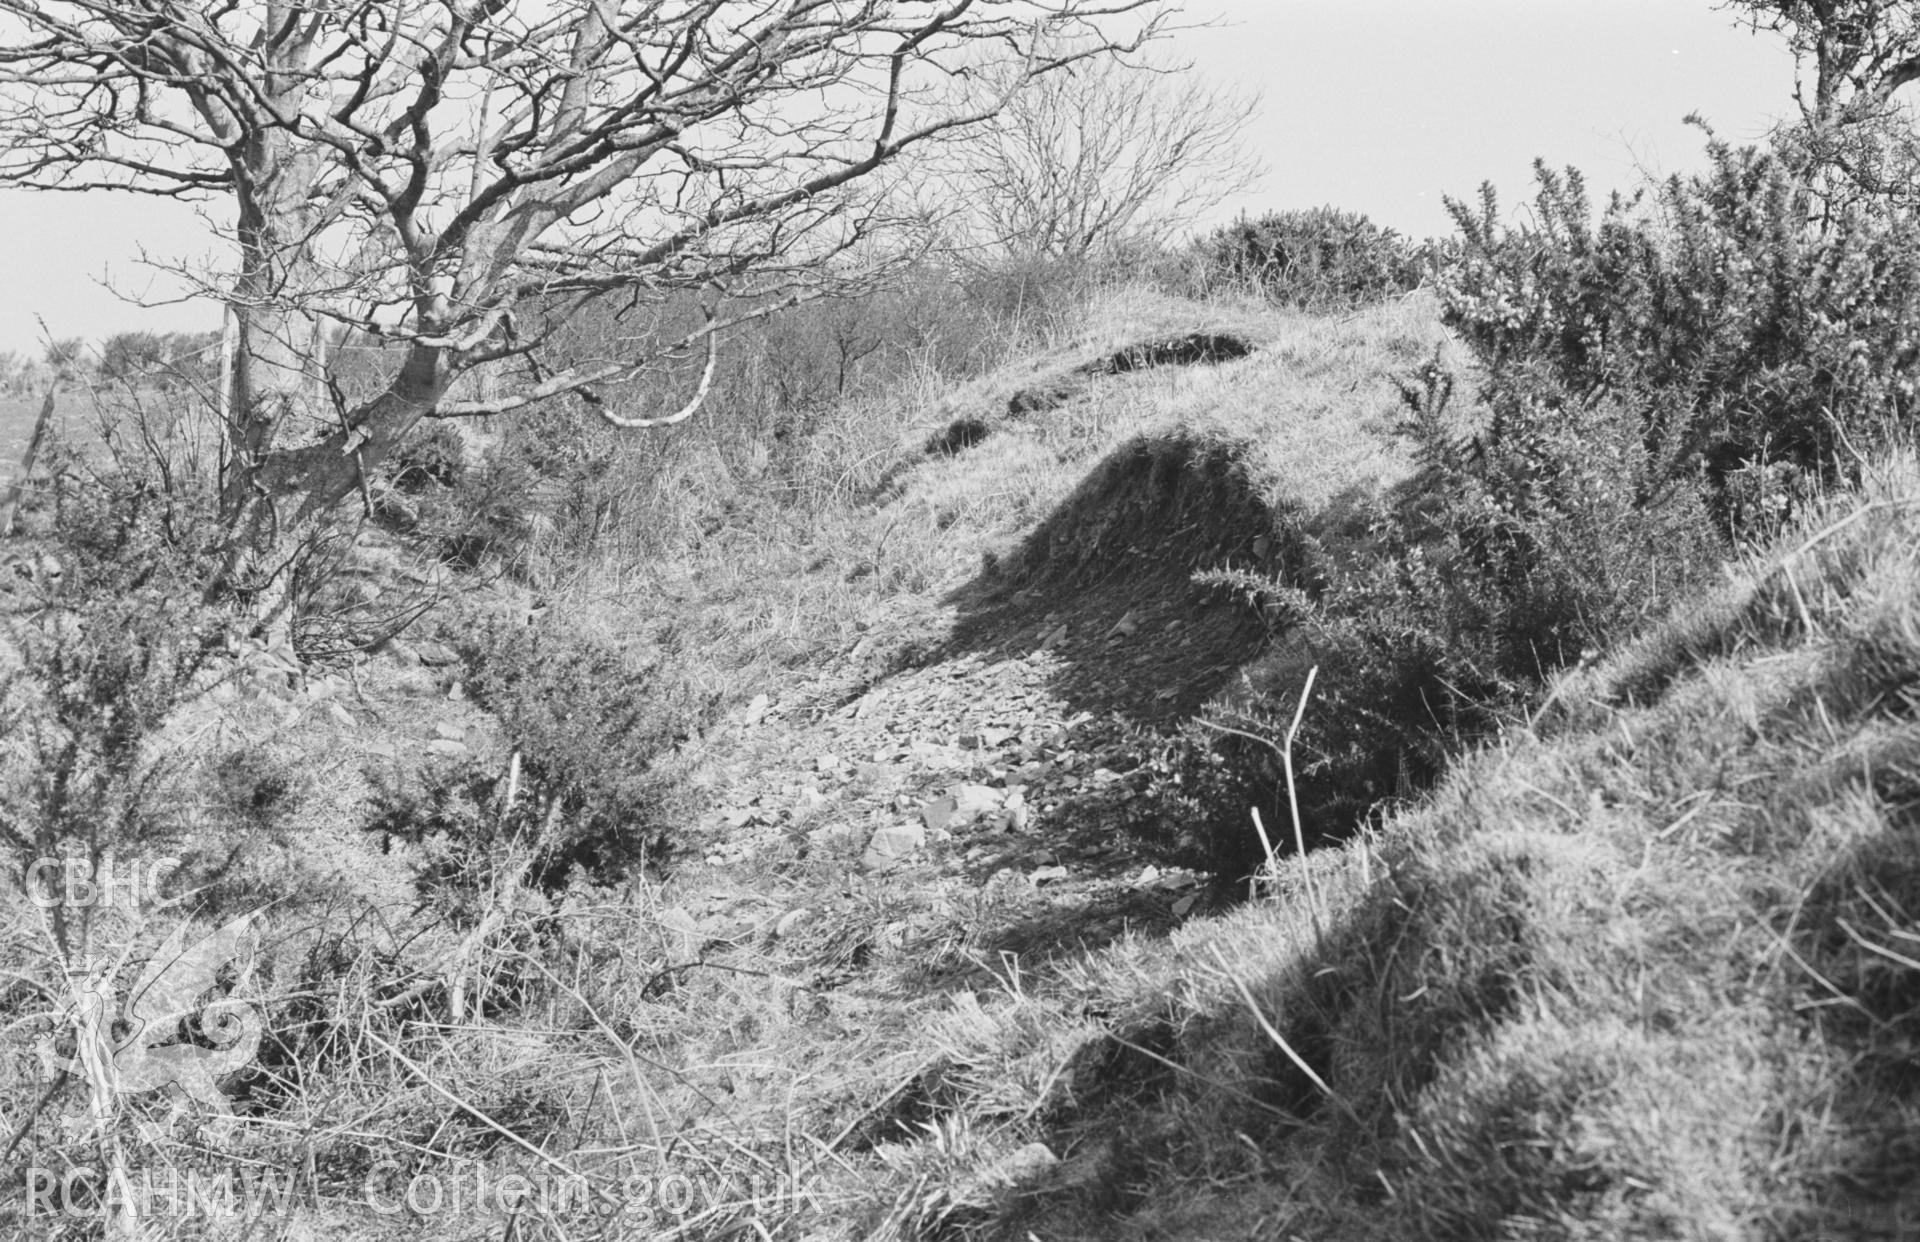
(1755,328)
(1516,551)
(98,645)
(1320,259)
(1686,365)
(587,719)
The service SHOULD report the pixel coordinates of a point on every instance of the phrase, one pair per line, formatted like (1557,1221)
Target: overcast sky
(1380,106)
(1386,106)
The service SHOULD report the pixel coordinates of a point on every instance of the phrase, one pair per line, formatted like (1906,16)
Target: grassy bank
(820,858)
(1644,969)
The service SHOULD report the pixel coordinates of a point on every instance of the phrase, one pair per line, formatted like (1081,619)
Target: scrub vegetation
(1287,732)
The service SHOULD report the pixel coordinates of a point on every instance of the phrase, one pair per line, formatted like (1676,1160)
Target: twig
(1532,788)
(1293,803)
(1882,950)
(26,1124)
(1217,1085)
(1266,842)
(1826,532)
(1280,1040)
(1293,800)
(482,1118)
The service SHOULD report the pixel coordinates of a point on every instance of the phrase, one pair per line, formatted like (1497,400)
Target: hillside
(1644,969)
(904,957)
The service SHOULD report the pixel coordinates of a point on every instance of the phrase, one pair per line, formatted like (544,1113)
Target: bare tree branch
(1103,153)
(684,413)
(451,176)
(1855,135)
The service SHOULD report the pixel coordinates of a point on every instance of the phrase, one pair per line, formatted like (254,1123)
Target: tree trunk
(274,397)
(278,422)
(287,498)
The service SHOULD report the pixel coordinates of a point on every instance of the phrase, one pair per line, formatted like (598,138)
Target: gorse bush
(433,458)
(576,798)
(1753,326)
(535,496)
(1324,258)
(469,838)
(96,652)
(587,720)
(1678,367)
(1516,550)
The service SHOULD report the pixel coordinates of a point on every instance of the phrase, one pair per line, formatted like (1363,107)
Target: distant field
(72,418)
(16,425)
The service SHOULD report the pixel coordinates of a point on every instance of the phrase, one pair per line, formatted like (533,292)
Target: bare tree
(1856,57)
(131,356)
(1106,152)
(66,355)
(456,176)
(1860,52)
